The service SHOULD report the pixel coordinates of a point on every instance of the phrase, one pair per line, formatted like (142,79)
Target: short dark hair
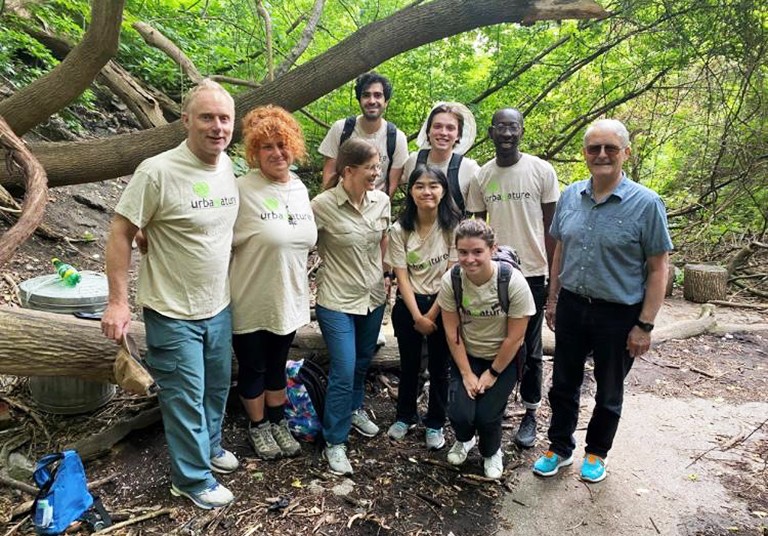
(448,213)
(366,79)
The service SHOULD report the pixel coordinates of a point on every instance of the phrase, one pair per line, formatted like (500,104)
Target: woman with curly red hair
(273,234)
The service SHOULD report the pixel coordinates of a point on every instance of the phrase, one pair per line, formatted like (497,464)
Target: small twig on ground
(16,484)
(758,306)
(440,463)
(665,365)
(139,519)
(14,528)
(703,373)
(577,525)
(521,503)
(216,520)
(654,526)
(479,478)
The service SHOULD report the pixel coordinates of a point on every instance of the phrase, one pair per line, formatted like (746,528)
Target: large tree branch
(156,39)
(67,81)
(96,160)
(33,208)
(304,41)
(264,14)
(142,102)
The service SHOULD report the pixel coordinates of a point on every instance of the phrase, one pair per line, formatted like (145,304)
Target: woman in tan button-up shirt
(352,218)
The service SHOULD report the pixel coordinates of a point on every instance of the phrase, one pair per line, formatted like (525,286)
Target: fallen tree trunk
(37,343)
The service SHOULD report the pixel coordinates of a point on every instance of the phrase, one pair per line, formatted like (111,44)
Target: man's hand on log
(116,320)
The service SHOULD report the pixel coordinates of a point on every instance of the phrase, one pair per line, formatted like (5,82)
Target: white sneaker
(214,497)
(494,465)
(363,423)
(224,462)
(337,459)
(435,438)
(458,453)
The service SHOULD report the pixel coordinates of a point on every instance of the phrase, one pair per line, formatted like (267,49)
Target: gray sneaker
(458,453)
(435,438)
(337,459)
(363,423)
(399,429)
(284,439)
(214,497)
(224,462)
(263,443)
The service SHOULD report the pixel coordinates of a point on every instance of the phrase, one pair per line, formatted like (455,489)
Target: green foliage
(688,78)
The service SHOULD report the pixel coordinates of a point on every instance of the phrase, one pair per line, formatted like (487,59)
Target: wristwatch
(645,326)
(494,372)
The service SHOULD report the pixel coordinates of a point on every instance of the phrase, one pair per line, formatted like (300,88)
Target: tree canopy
(687,77)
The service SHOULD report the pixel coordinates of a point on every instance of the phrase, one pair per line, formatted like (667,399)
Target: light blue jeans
(351,342)
(191,361)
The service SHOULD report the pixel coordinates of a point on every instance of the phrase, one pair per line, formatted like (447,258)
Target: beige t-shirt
(513,197)
(330,146)
(467,170)
(350,279)
(268,272)
(425,258)
(483,323)
(187,209)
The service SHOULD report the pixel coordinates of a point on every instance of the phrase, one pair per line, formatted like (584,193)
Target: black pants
(485,413)
(409,343)
(530,383)
(582,327)
(261,357)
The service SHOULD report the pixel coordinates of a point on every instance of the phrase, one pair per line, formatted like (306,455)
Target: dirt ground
(699,401)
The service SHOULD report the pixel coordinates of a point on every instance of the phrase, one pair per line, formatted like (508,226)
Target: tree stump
(670,280)
(704,282)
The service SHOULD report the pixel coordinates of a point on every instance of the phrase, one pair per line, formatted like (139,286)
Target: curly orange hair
(271,122)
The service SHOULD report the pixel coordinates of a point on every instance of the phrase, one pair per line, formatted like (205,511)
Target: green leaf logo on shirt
(271,203)
(201,189)
(465,303)
(412,258)
(493,188)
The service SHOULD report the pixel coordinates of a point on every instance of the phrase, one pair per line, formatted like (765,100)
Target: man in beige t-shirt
(518,192)
(373,92)
(185,201)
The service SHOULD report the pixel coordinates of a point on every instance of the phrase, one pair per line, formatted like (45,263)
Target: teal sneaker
(593,469)
(550,464)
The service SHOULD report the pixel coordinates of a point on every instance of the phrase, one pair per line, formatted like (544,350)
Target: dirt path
(651,489)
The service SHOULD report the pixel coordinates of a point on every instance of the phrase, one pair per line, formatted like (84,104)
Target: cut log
(705,282)
(37,343)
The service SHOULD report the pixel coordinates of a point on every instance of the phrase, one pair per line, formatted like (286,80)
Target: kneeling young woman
(485,343)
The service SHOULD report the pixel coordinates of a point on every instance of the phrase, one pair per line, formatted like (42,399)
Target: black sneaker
(526,434)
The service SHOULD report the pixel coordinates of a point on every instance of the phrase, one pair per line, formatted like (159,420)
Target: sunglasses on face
(610,150)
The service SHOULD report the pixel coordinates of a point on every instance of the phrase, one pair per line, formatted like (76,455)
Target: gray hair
(614,125)
(205,84)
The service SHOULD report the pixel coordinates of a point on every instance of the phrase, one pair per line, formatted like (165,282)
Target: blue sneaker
(550,464)
(593,469)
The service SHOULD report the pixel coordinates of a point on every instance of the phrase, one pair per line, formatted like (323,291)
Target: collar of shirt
(341,196)
(620,191)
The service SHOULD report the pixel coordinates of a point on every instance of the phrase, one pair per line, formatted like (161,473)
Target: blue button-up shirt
(605,245)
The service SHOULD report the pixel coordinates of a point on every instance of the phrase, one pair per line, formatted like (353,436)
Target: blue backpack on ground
(306,387)
(63,496)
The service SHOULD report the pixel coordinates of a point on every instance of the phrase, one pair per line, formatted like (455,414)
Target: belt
(589,299)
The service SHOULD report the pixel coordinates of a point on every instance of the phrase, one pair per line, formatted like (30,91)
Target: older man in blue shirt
(609,273)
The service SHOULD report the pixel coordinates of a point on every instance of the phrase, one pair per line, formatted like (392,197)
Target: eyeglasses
(374,167)
(610,150)
(503,127)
